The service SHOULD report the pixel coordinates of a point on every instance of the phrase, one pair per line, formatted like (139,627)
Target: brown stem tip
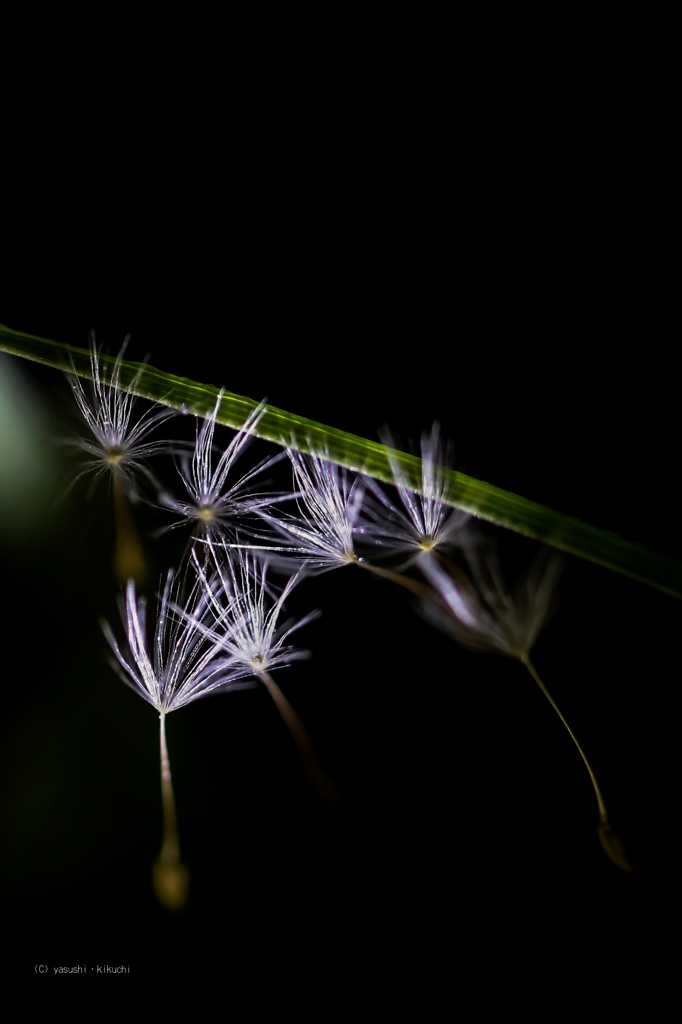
(612,845)
(171,883)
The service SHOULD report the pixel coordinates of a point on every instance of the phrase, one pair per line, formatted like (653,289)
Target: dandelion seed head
(184,663)
(328,500)
(243,616)
(117,443)
(426,521)
(215,502)
(479,610)
(114,455)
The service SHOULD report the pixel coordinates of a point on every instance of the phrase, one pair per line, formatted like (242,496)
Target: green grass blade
(356,453)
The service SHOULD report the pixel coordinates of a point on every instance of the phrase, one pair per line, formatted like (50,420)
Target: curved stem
(313,769)
(420,589)
(603,816)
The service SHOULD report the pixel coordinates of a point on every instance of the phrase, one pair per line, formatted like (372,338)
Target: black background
(498,266)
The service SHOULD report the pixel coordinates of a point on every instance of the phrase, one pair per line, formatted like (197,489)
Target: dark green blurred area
(27,471)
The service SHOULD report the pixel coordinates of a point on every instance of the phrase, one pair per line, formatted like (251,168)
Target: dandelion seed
(118,444)
(118,447)
(320,537)
(215,506)
(481,614)
(426,523)
(183,666)
(245,623)
(244,620)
